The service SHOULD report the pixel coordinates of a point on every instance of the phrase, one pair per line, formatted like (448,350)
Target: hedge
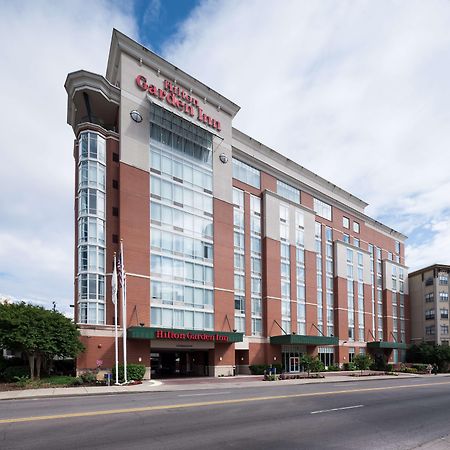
(258,369)
(10,374)
(135,372)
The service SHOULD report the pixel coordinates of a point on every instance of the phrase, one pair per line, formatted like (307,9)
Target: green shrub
(349,366)
(11,374)
(135,372)
(78,381)
(333,368)
(422,368)
(363,361)
(9,362)
(89,377)
(258,369)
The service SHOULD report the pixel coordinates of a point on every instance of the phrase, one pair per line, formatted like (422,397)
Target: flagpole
(124,312)
(116,333)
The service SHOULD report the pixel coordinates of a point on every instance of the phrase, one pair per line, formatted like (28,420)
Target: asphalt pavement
(376,414)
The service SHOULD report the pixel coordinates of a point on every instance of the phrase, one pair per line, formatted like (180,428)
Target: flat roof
(432,267)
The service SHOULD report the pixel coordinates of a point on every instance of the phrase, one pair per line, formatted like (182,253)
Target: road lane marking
(336,409)
(212,403)
(199,395)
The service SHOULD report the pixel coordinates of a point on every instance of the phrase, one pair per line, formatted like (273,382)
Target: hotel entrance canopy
(388,345)
(304,339)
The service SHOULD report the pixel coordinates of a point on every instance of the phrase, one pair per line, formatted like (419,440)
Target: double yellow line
(212,403)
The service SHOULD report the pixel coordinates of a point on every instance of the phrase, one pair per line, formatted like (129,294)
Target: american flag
(121,269)
(114,281)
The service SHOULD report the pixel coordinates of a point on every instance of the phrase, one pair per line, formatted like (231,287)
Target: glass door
(294,364)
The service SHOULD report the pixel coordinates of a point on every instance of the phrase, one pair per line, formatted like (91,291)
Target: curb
(164,389)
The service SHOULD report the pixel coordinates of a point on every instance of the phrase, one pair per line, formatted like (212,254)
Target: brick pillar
(223,266)
(222,360)
(271,287)
(311,292)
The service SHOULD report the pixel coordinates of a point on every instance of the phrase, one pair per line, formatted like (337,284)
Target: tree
(39,333)
(362,361)
(311,364)
(426,353)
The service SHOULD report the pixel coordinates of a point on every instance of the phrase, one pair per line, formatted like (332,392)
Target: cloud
(432,250)
(152,13)
(42,42)
(355,91)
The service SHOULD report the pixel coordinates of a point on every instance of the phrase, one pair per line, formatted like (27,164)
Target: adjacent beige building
(428,290)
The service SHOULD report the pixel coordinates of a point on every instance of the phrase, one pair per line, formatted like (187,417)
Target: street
(385,414)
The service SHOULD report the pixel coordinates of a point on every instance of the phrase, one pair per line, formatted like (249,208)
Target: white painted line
(336,409)
(209,393)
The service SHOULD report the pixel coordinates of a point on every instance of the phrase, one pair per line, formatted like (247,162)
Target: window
(245,173)
(430,330)
(92,146)
(444,313)
(181,225)
(346,222)
(444,329)
(397,247)
(356,227)
(346,238)
(239,303)
(351,354)
(238,198)
(322,209)
(91,252)
(351,333)
(443,279)
(349,255)
(288,192)
(256,327)
(255,205)
(429,314)
(429,297)
(443,296)
(360,259)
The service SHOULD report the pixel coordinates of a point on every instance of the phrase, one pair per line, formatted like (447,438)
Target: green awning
(388,345)
(304,339)
(171,334)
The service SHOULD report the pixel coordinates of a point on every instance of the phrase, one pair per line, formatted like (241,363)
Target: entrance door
(168,364)
(294,364)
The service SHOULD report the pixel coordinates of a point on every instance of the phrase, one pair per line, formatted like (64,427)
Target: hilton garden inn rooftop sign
(179,98)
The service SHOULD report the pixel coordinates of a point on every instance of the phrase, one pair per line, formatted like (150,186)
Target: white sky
(357,91)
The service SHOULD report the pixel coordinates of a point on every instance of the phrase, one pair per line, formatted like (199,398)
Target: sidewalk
(190,384)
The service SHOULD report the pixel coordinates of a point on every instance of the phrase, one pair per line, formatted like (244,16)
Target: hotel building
(429,304)
(234,254)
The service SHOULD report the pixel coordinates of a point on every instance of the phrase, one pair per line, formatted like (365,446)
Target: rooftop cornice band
(258,146)
(121,43)
(82,79)
(432,267)
(253,160)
